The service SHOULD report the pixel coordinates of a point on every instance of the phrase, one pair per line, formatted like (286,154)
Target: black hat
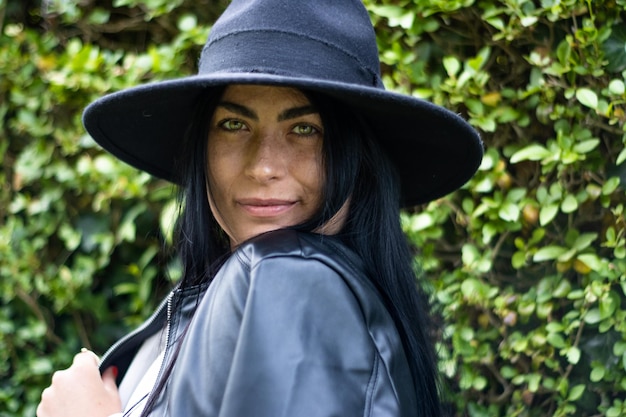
(327,46)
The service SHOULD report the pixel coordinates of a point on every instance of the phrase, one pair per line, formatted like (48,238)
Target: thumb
(108,378)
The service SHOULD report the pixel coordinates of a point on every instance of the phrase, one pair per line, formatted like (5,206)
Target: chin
(253,232)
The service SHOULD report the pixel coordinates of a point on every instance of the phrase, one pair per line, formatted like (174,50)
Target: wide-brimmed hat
(328,46)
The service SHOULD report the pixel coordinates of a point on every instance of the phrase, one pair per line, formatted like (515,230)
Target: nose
(265,161)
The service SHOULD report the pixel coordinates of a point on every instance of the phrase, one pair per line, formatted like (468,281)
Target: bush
(526,264)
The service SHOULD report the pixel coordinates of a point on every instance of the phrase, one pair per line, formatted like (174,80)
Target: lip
(260,207)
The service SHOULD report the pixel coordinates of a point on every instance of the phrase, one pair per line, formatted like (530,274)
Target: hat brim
(434,150)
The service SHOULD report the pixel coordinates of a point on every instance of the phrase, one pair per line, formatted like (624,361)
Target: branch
(34,307)
(3,13)
(82,332)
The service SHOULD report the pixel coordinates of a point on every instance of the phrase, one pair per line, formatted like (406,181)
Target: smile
(266,208)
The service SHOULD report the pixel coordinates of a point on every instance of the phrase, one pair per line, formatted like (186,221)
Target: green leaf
(573,355)
(617,87)
(586,146)
(452,66)
(583,241)
(479,383)
(187,22)
(479,60)
(41,366)
(587,97)
(509,212)
(554,327)
(548,213)
(610,185)
(576,392)
(528,21)
(562,289)
(608,304)
(597,374)
(576,295)
(167,220)
(549,253)
(593,316)
(496,22)
(621,157)
(98,16)
(533,382)
(591,260)
(530,153)
(518,259)
(556,340)
(474,290)
(388,11)
(569,204)
(619,348)
(470,254)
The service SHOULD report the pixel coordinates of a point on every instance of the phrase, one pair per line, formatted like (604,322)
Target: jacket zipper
(165,304)
(168,320)
(168,329)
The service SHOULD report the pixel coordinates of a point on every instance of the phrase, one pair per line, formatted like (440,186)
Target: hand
(80,391)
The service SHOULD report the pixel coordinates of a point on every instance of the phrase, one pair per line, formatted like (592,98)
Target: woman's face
(265,160)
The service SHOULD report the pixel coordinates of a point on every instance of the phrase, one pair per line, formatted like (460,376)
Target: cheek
(217,177)
(312,174)
(218,167)
(216,199)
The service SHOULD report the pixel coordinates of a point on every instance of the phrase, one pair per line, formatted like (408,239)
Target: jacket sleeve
(302,348)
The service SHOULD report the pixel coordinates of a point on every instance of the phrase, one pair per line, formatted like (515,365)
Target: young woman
(298,297)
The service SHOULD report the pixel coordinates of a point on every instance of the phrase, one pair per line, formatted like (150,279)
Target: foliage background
(526,264)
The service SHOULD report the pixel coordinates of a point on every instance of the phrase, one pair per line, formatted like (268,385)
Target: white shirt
(141,376)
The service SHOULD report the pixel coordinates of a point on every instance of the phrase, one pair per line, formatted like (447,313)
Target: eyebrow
(297,112)
(291,113)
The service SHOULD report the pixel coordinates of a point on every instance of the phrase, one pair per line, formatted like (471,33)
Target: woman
(298,296)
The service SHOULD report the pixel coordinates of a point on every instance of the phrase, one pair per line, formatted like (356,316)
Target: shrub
(526,265)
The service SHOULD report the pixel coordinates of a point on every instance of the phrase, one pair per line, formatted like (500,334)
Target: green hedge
(526,264)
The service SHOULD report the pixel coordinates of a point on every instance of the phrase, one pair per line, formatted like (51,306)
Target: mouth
(266,207)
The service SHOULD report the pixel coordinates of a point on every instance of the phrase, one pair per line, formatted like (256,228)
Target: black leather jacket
(290,326)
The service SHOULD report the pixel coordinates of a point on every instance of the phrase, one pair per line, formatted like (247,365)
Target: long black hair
(358,173)
(357,168)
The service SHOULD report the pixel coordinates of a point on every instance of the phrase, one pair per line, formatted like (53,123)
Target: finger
(46,399)
(40,411)
(46,393)
(96,357)
(108,378)
(57,377)
(86,356)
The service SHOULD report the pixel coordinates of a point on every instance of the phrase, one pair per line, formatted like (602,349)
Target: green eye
(304,130)
(232,124)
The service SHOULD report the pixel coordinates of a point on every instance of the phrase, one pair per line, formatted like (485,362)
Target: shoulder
(304,263)
(286,266)
(286,295)
(291,249)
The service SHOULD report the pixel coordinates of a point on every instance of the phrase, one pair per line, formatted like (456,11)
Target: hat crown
(330,40)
